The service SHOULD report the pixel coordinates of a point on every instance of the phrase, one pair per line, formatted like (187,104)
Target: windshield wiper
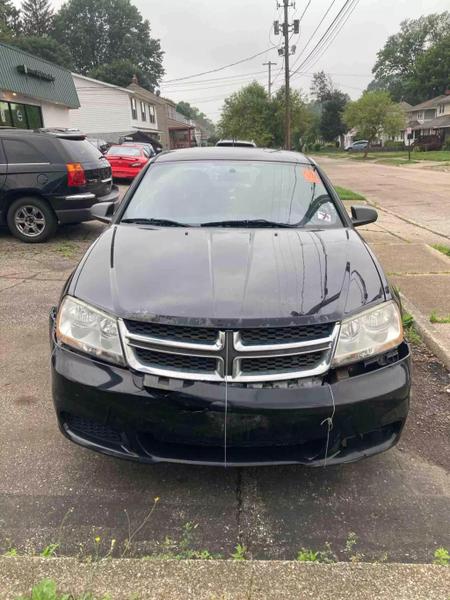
(157,222)
(246,223)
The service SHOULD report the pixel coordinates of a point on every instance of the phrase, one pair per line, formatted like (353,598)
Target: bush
(317,147)
(446,145)
(393,145)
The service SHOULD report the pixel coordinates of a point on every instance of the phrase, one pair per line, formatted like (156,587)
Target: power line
(333,35)
(239,62)
(314,33)
(328,32)
(237,76)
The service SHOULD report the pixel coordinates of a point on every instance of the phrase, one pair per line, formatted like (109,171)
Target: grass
(411,332)
(346,194)
(67,249)
(47,590)
(434,318)
(441,248)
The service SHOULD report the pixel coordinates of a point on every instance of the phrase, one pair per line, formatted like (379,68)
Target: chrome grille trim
(218,351)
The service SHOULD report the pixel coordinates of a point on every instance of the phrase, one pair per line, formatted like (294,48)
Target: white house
(105,109)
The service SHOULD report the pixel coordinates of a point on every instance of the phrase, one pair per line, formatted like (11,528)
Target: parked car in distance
(235,144)
(147,147)
(231,315)
(127,161)
(50,177)
(427,142)
(358,146)
(101,145)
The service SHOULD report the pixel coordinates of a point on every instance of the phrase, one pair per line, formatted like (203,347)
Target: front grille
(278,364)
(243,356)
(181,362)
(173,332)
(92,429)
(284,335)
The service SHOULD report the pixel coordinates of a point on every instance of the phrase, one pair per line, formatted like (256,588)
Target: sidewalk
(125,579)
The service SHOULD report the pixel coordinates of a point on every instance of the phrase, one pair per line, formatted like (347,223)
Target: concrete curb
(428,332)
(124,579)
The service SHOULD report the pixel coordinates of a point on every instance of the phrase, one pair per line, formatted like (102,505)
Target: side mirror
(103,211)
(363,215)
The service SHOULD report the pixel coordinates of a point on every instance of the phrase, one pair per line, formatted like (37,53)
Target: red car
(126,161)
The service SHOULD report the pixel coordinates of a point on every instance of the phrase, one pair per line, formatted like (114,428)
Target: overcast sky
(200,35)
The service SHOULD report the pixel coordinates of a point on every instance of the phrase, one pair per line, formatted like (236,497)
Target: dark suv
(49,177)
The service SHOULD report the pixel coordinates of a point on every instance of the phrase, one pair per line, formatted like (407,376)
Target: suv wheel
(31,220)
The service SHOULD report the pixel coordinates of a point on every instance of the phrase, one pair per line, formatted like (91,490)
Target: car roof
(233,153)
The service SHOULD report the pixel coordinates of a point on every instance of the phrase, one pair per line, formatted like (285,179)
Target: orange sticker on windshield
(311,176)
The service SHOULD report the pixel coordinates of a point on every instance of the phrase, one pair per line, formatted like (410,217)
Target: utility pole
(270,64)
(286,52)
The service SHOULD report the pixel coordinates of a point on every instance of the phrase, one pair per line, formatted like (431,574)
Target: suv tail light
(75,175)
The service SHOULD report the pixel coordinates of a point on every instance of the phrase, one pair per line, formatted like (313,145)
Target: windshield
(232,193)
(124,151)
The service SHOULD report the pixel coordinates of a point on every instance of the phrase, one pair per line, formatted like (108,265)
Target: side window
(143,113)
(21,152)
(133,108)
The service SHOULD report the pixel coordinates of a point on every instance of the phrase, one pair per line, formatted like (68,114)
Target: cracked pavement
(52,491)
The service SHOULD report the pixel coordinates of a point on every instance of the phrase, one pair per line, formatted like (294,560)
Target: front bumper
(77,207)
(118,412)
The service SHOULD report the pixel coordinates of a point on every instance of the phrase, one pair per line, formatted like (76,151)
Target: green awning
(31,76)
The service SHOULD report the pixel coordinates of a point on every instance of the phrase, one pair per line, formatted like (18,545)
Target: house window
(24,116)
(441,109)
(151,114)
(143,113)
(133,108)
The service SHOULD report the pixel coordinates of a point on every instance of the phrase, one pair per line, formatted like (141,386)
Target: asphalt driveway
(392,507)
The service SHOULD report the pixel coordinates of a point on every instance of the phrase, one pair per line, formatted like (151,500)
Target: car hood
(224,276)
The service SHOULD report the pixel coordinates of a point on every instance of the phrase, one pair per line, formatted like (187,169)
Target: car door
(3,167)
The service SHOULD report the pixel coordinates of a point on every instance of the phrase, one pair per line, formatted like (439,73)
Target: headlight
(371,332)
(89,330)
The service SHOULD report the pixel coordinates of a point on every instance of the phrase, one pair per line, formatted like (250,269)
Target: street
(392,507)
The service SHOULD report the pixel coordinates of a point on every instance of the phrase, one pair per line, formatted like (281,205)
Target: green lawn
(444,249)
(434,155)
(345,194)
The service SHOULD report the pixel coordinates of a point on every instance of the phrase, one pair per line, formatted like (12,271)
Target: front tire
(31,220)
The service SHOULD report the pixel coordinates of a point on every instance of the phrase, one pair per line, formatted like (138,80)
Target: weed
(322,556)
(182,550)
(411,332)
(11,552)
(132,534)
(240,552)
(441,248)
(434,318)
(350,543)
(67,249)
(442,557)
(308,555)
(49,551)
(46,590)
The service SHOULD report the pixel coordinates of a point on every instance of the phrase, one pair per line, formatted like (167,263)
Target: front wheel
(31,220)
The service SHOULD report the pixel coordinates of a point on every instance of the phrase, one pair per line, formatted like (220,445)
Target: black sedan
(231,315)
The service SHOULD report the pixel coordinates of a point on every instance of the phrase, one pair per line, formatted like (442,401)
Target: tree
(100,32)
(300,118)
(395,68)
(332,124)
(9,20)
(45,48)
(332,103)
(433,70)
(246,115)
(374,114)
(37,17)
(120,72)
(321,86)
